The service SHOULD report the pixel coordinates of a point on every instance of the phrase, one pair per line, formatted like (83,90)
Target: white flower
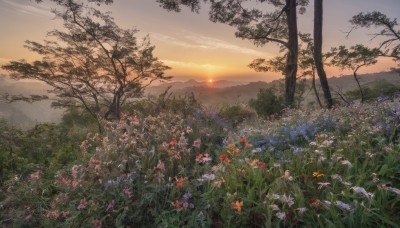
(323,185)
(274,207)
(287,199)
(280,215)
(301,210)
(347,163)
(361,190)
(275,196)
(394,190)
(207,177)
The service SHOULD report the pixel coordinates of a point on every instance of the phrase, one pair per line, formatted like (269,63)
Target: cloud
(29,8)
(192,40)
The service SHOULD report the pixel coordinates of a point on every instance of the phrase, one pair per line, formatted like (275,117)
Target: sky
(193,46)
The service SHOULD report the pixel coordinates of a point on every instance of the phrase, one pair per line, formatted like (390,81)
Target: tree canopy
(92,63)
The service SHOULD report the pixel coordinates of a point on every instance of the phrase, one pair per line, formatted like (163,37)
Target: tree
(354,58)
(93,64)
(306,66)
(390,47)
(261,27)
(318,22)
(267,103)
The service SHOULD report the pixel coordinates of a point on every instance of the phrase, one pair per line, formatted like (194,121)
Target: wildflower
(218,183)
(288,200)
(274,207)
(322,185)
(280,215)
(347,163)
(97,223)
(301,210)
(275,196)
(82,204)
(187,196)
(173,142)
(314,203)
(179,181)
(361,190)
(326,143)
(318,174)
(197,143)
(287,176)
(128,192)
(66,214)
(203,158)
(394,190)
(243,141)
(110,205)
(35,176)
(160,165)
(224,158)
(343,206)
(53,214)
(177,204)
(231,149)
(237,206)
(207,177)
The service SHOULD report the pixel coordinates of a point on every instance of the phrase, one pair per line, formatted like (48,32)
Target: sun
(210,80)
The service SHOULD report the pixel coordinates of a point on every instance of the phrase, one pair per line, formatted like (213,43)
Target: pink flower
(97,223)
(110,205)
(128,193)
(197,143)
(160,165)
(82,204)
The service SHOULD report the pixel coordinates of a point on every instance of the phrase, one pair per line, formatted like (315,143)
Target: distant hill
(24,114)
(213,95)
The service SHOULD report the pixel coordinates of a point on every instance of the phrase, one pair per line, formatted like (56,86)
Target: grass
(337,168)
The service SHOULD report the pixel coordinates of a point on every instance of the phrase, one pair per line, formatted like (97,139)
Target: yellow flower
(318,174)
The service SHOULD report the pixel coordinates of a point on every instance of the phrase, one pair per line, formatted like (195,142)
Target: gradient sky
(192,45)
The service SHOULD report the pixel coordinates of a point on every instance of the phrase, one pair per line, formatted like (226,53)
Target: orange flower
(173,142)
(224,158)
(177,204)
(243,141)
(314,203)
(237,206)
(179,181)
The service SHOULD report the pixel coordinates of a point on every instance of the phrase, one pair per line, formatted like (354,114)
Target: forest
(307,150)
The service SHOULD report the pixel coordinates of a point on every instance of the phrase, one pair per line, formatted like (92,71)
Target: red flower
(173,142)
(224,158)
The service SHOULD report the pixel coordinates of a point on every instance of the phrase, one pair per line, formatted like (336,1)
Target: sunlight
(210,80)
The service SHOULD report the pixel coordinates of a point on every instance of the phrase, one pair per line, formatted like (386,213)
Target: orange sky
(192,45)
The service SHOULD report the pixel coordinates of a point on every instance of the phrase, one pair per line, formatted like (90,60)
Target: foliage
(261,27)
(390,47)
(381,89)
(354,58)
(93,63)
(236,114)
(337,168)
(267,103)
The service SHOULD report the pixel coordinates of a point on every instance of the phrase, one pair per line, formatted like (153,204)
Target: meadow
(176,165)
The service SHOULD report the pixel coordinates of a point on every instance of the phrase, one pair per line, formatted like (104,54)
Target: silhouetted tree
(318,23)
(93,63)
(261,27)
(390,47)
(354,58)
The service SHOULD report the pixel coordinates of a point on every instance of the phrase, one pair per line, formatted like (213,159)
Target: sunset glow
(193,46)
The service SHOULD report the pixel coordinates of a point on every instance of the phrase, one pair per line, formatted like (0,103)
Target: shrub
(267,103)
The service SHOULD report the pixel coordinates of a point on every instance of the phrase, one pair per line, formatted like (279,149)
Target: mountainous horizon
(213,94)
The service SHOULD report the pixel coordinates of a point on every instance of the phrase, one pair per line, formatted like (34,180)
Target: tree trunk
(315,88)
(318,18)
(292,57)
(359,86)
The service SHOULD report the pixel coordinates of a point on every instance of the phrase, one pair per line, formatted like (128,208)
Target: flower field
(319,168)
